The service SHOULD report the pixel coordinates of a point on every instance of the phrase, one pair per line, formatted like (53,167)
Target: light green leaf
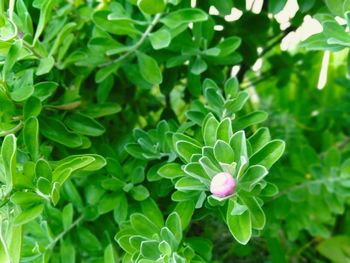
(160,39)
(190,184)
(8,154)
(223,152)
(143,225)
(31,137)
(56,131)
(209,129)
(240,226)
(185,209)
(28,214)
(249,119)
(151,7)
(85,125)
(257,214)
(186,150)
(149,69)
(269,154)
(252,176)
(184,16)
(171,170)
(152,211)
(45,65)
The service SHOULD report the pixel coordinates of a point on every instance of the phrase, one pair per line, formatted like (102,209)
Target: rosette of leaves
(147,238)
(221,145)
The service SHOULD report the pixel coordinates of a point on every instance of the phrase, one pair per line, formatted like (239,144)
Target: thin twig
(137,45)
(63,233)
(303,185)
(13,130)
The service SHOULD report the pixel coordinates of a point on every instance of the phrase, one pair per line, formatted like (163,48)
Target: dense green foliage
(116,115)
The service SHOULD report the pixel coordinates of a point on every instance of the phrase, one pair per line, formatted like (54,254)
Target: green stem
(306,184)
(13,130)
(11,8)
(137,44)
(63,233)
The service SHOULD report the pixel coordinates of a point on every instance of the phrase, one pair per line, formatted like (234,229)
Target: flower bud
(222,185)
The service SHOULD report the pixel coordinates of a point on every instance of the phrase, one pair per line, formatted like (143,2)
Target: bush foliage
(116,115)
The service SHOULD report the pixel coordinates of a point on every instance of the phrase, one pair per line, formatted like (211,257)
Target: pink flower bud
(222,185)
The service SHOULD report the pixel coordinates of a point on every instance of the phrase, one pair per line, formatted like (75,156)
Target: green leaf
(151,7)
(110,255)
(187,149)
(184,16)
(149,249)
(237,103)
(139,193)
(108,202)
(103,109)
(44,90)
(223,152)
(43,185)
(335,6)
(55,130)
(160,39)
(121,26)
(335,248)
(8,154)
(152,211)
(8,29)
(185,209)
(190,184)
(198,66)
(55,193)
(171,171)
(275,6)
(239,145)
(257,214)
(26,199)
(269,154)
(120,212)
(45,65)
(11,58)
(224,130)
(88,240)
(45,12)
(31,137)
(238,209)
(24,88)
(231,87)
(32,107)
(43,169)
(85,125)
(67,252)
(209,129)
(169,238)
(249,119)
(28,214)
(240,226)
(259,139)
(252,176)
(173,223)
(228,45)
(149,69)
(143,225)
(67,216)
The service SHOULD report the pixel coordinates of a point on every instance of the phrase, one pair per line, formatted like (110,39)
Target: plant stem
(63,233)
(13,130)
(303,185)
(137,44)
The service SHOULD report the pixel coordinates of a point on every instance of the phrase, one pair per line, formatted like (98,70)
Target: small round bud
(222,185)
